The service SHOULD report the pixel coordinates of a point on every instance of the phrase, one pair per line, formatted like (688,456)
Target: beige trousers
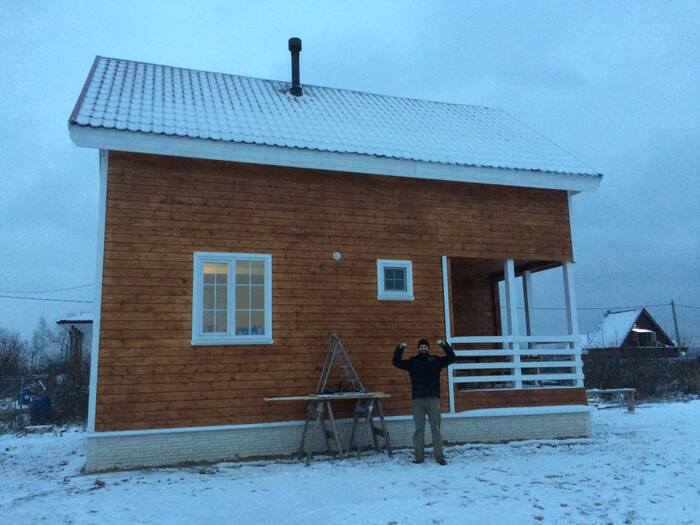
(427,407)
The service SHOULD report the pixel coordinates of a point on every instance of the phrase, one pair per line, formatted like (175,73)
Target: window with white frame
(232,298)
(394,280)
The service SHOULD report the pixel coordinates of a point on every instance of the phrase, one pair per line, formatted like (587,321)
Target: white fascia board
(137,142)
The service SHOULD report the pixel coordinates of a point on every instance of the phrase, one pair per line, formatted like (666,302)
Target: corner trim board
(99,260)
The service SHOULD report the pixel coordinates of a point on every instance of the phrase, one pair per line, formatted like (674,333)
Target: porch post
(529,313)
(448,328)
(527,294)
(570,299)
(512,318)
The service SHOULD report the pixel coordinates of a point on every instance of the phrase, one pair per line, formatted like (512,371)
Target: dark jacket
(424,370)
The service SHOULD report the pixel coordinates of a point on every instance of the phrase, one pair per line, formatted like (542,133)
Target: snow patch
(640,468)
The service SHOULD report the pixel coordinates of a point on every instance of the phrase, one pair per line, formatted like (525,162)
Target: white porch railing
(521,362)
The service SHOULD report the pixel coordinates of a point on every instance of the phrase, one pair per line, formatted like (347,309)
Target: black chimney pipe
(295,48)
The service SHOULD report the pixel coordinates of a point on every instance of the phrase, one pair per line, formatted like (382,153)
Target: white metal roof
(613,329)
(84,317)
(155,100)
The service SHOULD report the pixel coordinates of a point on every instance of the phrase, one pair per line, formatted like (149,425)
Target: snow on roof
(613,329)
(583,342)
(162,100)
(85,317)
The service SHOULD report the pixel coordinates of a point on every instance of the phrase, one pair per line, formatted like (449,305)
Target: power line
(44,299)
(502,307)
(49,291)
(622,307)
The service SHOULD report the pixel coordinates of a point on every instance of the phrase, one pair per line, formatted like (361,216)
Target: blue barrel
(24,397)
(40,410)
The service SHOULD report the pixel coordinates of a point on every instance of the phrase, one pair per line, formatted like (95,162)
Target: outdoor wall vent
(295,49)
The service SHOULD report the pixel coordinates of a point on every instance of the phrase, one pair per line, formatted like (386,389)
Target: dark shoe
(441,461)
(416,460)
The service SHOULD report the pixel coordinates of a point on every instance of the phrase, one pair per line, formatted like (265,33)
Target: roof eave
(83,92)
(139,142)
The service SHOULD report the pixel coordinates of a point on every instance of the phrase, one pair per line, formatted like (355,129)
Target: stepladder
(339,357)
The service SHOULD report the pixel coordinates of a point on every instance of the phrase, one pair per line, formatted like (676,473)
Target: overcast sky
(617,85)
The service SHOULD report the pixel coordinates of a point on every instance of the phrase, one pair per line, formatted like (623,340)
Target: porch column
(570,299)
(448,327)
(527,294)
(446,298)
(512,317)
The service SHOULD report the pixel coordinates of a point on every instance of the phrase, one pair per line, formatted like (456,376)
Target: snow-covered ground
(637,468)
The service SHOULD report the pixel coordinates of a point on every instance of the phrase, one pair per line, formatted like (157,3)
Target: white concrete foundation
(149,448)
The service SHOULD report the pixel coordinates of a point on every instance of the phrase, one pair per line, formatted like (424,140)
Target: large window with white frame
(394,280)
(232,298)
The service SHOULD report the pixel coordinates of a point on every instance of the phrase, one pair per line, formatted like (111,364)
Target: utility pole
(675,323)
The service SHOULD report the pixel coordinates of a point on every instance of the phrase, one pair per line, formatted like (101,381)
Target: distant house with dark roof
(242,219)
(630,333)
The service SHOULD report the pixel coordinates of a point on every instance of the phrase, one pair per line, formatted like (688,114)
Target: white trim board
(137,142)
(97,315)
(522,411)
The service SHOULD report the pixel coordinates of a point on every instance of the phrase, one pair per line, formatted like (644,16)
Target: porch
(489,321)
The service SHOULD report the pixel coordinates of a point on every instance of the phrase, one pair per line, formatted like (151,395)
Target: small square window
(394,280)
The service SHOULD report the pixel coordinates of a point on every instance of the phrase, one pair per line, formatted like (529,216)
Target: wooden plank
(333,397)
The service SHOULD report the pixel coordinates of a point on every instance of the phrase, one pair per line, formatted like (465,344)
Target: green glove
(441,343)
(403,346)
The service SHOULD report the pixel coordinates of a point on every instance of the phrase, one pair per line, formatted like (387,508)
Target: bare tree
(45,345)
(13,353)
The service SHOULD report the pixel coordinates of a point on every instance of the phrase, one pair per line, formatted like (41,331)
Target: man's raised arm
(450,356)
(398,362)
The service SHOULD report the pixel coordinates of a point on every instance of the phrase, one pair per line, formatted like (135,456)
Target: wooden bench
(627,392)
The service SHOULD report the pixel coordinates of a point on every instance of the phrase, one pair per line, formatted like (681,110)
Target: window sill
(229,341)
(395,297)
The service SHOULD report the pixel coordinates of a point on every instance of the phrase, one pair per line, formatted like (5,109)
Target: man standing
(424,369)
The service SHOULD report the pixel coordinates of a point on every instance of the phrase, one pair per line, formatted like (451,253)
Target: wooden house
(629,333)
(79,345)
(79,328)
(243,219)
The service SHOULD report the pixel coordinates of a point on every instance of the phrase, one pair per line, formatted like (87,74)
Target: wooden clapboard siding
(162,209)
(474,308)
(519,398)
